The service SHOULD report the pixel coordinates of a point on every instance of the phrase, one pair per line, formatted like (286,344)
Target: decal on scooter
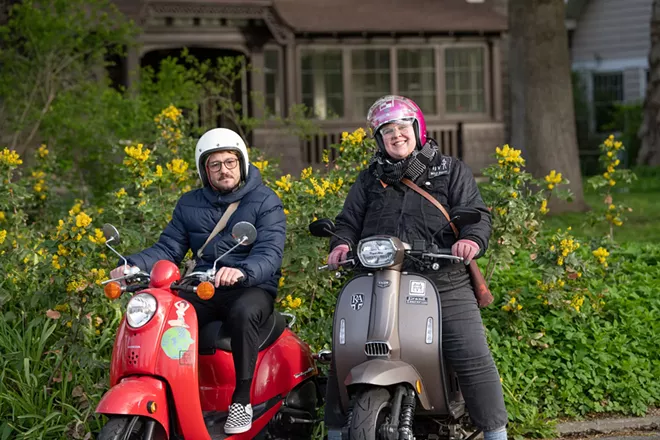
(417,300)
(186,358)
(175,342)
(181,307)
(303,373)
(357,301)
(417,288)
(383,284)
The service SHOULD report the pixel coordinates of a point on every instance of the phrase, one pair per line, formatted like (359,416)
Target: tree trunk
(542,114)
(649,154)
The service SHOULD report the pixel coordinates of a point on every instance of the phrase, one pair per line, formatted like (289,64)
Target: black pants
(244,310)
(465,348)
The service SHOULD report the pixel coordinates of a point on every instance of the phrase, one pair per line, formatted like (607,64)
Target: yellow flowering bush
(518,203)
(614,213)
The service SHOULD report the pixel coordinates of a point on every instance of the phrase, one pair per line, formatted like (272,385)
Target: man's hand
(466,249)
(119,272)
(227,276)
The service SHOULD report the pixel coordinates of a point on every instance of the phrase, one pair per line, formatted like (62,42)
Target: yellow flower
(178,166)
(612,182)
(509,156)
(544,207)
(2,216)
(136,153)
(286,211)
(42,151)
(610,154)
(553,179)
(98,237)
(306,173)
(159,171)
(514,195)
(281,282)
(83,220)
(10,158)
(261,165)
(284,183)
(3,236)
(121,193)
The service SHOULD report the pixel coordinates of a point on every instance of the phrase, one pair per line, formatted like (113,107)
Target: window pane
(272,78)
(416,75)
(607,92)
(371,77)
(464,80)
(322,82)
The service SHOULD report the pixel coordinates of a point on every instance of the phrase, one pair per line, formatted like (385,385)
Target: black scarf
(411,167)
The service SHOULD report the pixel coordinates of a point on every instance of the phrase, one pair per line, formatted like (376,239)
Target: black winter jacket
(196,215)
(374,209)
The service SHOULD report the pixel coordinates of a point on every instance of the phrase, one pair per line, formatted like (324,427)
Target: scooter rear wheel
(372,408)
(130,428)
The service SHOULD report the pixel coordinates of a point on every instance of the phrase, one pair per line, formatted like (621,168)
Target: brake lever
(340,263)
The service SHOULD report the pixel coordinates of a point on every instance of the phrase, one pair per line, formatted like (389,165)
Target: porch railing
(448,136)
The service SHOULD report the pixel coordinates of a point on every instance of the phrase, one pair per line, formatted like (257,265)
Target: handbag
(189,265)
(481,290)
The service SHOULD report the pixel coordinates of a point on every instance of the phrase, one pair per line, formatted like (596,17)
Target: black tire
(116,428)
(371,409)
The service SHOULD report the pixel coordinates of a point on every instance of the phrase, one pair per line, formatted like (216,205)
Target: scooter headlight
(140,309)
(376,252)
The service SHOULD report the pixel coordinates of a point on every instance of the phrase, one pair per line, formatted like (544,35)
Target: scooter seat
(216,336)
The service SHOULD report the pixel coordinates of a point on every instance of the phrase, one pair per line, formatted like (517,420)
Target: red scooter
(170,381)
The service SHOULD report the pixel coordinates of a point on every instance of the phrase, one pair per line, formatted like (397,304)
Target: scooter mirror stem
(239,242)
(118,254)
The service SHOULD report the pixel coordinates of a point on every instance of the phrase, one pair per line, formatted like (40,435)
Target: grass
(642,224)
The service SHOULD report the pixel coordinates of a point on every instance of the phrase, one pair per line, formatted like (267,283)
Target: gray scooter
(387,342)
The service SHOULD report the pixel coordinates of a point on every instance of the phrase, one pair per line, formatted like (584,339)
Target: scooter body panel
(279,369)
(391,316)
(139,396)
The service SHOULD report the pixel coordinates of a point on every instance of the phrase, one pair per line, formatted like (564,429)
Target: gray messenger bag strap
(190,264)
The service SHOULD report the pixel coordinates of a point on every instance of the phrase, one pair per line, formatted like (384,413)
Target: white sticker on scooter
(357,301)
(417,288)
(181,307)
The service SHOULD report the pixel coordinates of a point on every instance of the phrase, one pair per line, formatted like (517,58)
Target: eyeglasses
(230,164)
(402,126)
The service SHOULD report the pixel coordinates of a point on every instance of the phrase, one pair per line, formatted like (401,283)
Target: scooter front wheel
(371,409)
(131,428)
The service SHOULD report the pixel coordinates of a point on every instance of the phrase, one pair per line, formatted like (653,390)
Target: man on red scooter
(246,283)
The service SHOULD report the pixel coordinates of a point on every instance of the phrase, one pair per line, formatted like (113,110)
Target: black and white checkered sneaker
(239,419)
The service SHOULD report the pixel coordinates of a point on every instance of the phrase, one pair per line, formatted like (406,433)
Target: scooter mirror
(323,227)
(110,233)
(462,216)
(244,229)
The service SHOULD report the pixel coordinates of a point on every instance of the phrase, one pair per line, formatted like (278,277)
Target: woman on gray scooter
(379,203)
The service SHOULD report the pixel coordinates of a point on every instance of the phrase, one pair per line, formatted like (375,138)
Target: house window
(416,77)
(371,77)
(322,82)
(272,79)
(607,92)
(464,80)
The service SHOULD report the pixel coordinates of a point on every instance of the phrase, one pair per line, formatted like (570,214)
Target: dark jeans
(465,348)
(244,310)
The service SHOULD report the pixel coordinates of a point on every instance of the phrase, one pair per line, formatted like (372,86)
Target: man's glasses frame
(216,165)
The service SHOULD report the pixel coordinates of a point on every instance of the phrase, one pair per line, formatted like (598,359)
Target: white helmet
(220,139)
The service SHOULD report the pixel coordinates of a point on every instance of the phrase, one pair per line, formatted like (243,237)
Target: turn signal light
(151,407)
(205,290)
(112,290)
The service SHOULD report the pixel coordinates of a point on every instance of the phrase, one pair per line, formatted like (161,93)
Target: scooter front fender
(385,372)
(138,396)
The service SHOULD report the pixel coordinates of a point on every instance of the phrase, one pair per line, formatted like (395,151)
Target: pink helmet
(393,108)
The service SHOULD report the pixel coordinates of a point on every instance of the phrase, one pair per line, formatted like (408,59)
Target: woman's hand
(338,254)
(466,249)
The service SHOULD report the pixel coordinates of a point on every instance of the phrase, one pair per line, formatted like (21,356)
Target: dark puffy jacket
(196,215)
(373,209)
